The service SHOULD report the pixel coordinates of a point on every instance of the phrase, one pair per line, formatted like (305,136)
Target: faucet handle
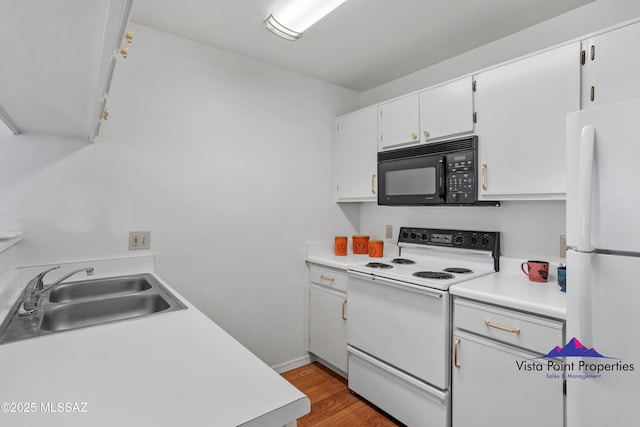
(40,277)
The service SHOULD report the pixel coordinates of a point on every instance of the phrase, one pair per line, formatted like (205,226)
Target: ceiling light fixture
(291,19)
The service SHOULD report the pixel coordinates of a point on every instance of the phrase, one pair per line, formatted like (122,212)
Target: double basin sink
(92,302)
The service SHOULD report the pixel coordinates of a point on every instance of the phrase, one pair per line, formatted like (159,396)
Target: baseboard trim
(292,364)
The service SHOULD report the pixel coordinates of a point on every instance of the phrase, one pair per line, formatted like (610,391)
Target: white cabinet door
(611,66)
(446,110)
(328,326)
(399,123)
(356,156)
(489,390)
(521,109)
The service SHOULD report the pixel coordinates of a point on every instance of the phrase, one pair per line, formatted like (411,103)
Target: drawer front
(334,279)
(524,330)
(410,401)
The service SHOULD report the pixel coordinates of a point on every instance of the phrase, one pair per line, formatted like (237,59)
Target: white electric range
(399,320)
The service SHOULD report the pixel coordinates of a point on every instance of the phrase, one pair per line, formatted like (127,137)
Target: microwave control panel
(461,177)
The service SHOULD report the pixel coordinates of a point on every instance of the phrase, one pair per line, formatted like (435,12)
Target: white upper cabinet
(59,58)
(399,123)
(446,110)
(610,69)
(356,156)
(521,108)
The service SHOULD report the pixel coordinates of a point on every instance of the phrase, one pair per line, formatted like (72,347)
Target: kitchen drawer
(334,279)
(405,398)
(524,330)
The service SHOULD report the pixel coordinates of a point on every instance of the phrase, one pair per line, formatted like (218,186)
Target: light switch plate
(139,240)
(389,232)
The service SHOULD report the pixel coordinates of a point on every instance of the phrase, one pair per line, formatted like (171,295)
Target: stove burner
(458,270)
(380,265)
(433,275)
(402,261)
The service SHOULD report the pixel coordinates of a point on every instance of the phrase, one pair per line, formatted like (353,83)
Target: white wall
(228,161)
(529,229)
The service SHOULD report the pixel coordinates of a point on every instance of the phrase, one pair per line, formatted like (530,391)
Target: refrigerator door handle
(579,298)
(585,172)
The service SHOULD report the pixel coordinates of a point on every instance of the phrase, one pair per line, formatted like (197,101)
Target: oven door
(418,180)
(403,325)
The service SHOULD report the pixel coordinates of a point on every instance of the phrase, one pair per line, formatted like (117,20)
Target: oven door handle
(397,284)
(441,178)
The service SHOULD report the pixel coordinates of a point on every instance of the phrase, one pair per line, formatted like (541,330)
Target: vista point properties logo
(591,364)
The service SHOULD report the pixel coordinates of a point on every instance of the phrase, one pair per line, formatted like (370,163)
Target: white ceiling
(361,44)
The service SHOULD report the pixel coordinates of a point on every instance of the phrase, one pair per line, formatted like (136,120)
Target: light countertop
(323,254)
(508,288)
(511,288)
(178,368)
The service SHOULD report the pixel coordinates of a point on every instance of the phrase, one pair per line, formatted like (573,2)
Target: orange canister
(360,244)
(376,248)
(340,245)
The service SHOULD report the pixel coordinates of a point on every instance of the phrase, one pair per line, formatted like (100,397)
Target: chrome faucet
(35,287)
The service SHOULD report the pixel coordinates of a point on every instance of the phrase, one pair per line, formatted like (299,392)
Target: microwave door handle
(441,177)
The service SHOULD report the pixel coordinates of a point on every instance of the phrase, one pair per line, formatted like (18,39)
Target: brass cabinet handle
(501,328)
(426,134)
(323,277)
(129,36)
(124,52)
(414,135)
(344,303)
(455,353)
(373,181)
(484,185)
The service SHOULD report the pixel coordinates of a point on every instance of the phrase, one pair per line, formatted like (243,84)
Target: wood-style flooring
(332,404)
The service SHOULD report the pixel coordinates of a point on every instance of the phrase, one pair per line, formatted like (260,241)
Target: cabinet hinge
(474,85)
(583,57)
(593,52)
(475,117)
(593,93)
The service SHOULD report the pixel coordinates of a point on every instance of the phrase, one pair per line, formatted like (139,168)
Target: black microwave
(442,173)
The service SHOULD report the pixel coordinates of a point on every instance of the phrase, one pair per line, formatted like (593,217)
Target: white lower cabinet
(491,385)
(328,316)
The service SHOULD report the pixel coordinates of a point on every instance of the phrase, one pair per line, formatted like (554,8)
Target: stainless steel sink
(97,288)
(95,312)
(93,302)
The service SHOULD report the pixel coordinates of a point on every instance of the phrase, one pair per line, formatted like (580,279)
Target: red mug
(537,271)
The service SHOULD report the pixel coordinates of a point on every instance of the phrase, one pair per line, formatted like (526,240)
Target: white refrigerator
(603,262)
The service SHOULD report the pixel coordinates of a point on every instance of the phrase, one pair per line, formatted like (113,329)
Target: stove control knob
(424,236)
(474,240)
(459,239)
(485,240)
(413,235)
(405,235)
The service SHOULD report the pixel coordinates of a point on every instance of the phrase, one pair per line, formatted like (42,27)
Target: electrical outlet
(389,232)
(139,240)
(563,246)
